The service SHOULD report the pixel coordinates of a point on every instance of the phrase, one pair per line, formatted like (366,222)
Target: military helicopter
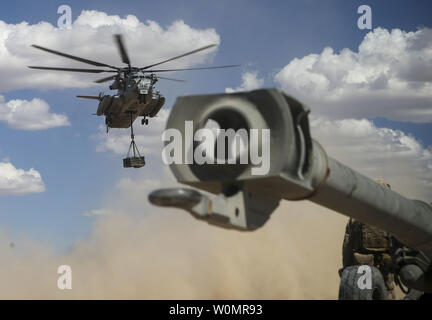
(135,88)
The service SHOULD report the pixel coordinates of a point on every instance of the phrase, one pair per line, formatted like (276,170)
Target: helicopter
(136,95)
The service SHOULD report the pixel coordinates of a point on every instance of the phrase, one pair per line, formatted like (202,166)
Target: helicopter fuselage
(135,97)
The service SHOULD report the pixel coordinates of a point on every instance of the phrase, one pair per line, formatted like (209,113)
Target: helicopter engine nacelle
(104,103)
(158,104)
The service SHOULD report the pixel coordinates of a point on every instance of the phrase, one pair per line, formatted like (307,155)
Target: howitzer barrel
(352,194)
(298,168)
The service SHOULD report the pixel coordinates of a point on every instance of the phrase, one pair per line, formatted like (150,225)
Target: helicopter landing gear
(144,121)
(134,160)
(107,123)
(143,98)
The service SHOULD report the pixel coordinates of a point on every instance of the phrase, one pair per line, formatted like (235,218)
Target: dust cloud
(167,254)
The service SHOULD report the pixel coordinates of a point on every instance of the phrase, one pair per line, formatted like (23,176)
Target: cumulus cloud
(251,81)
(390,75)
(96,212)
(15,181)
(379,153)
(147,137)
(30,115)
(91,38)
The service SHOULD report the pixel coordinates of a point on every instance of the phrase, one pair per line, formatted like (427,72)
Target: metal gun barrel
(352,194)
(299,169)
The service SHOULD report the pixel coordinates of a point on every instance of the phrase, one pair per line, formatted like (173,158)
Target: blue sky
(263,36)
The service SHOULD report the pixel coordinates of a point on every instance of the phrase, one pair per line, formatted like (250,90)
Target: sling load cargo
(137,161)
(134,159)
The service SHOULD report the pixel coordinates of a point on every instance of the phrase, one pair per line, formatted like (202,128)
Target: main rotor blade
(90,97)
(186,69)
(180,56)
(94,63)
(165,78)
(106,79)
(122,49)
(72,69)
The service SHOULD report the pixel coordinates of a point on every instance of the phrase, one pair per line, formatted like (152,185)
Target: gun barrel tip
(175,197)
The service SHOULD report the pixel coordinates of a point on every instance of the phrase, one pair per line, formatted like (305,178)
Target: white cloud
(91,38)
(148,137)
(30,115)
(379,153)
(96,212)
(250,82)
(15,181)
(390,76)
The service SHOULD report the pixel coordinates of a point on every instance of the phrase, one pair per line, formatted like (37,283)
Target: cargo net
(133,158)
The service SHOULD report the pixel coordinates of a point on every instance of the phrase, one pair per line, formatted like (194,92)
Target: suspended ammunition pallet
(134,162)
